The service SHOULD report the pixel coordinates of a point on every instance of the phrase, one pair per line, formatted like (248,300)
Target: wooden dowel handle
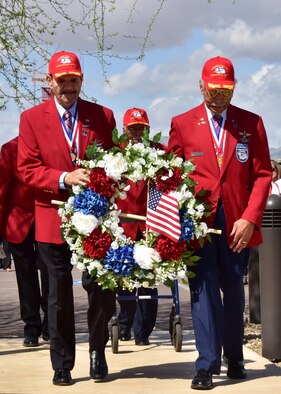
(138,217)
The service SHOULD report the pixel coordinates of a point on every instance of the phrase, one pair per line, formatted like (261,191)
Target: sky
(184,35)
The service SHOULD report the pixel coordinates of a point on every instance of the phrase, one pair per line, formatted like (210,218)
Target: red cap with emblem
(135,116)
(64,63)
(218,73)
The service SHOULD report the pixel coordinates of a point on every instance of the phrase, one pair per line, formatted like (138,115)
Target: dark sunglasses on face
(224,92)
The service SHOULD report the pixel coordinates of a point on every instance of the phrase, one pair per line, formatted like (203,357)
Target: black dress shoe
(30,342)
(236,370)
(45,336)
(142,342)
(202,380)
(124,336)
(62,377)
(98,365)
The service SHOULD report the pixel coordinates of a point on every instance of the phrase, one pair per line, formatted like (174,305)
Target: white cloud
(245,40)
(130,79)
(259,77)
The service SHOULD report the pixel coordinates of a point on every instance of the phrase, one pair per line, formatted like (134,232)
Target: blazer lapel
(202,127)
(54,132)
(231,138)
(84,129)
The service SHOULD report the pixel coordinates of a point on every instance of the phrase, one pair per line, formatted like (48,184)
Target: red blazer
(44,155)
(16,198)
(242,185)
(135,203)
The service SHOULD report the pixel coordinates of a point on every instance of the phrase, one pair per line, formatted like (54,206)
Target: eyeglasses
(224,92)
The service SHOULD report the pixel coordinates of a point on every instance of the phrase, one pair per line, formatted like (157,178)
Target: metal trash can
(270,279)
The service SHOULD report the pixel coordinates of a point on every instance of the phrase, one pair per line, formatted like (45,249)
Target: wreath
(91,219)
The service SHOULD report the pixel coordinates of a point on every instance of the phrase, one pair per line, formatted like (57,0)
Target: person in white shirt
(276,181)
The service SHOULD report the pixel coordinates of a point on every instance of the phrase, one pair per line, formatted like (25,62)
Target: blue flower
(187,226)
(90,202)
(121,260)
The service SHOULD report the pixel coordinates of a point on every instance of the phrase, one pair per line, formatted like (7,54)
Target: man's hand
(241,232)
(78,177)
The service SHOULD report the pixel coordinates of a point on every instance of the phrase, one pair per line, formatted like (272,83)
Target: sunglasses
(224,92)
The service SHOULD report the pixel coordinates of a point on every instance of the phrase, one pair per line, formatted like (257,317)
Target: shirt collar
(211,114)
(62,110)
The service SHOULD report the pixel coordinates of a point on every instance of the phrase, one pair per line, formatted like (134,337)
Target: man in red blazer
(17,228)
(140,315)
(52,136)
(232,162)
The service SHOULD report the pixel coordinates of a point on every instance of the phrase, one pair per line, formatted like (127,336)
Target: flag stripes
(163,214)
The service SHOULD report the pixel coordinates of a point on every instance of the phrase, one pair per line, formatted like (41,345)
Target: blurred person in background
(17,201)
(137,314)
(275,187)
(6,260)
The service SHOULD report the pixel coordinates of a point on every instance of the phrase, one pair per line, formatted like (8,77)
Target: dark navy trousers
(218,300)
(141,314)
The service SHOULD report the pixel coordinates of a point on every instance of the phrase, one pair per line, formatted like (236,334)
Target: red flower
(97,244)
(168,249)
(171,183)
(101,183)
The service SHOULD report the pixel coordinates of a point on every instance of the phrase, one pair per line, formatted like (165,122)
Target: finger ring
(244,242)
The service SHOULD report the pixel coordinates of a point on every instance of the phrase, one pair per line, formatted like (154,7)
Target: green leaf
(195,258)
(157,138)
(92,150)
(190,274)
(123,138)
(201,193)
(145,137)
(115,138)
(190,263)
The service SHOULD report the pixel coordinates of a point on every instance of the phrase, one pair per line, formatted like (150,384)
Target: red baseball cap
(135,116)
(218,73)
(64,63)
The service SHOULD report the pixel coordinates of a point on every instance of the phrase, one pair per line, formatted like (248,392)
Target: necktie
(68,123)
(217,123)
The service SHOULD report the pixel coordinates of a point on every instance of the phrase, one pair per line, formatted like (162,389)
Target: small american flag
(163,214)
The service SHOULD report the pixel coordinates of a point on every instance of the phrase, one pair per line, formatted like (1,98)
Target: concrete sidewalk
(155,369)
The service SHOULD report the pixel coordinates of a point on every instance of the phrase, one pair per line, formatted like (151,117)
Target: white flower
(76,189)
(144,256)
(115,166)
(200,210)
(123,196)
(74,259)
(80,266)
(125,188)
(201,230)
(182,274)
(114,245)
(177,162)
(182,195)
(95,265)
(84,224)
(92,164)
